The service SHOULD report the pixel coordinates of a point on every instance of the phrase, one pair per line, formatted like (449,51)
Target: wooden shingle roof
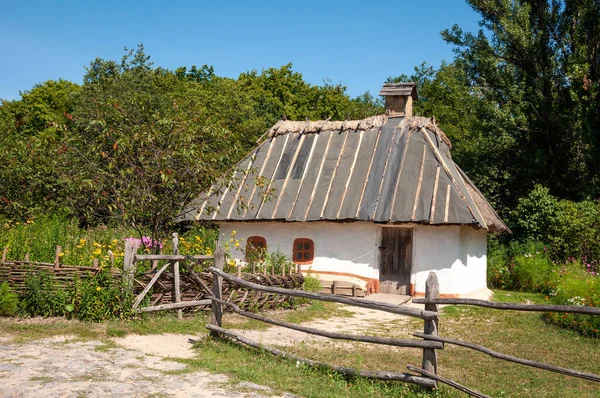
(385,170)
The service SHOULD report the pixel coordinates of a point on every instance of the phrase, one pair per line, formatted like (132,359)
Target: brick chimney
(399,98)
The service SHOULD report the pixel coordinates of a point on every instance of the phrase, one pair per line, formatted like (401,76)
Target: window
(256,247)
(304,251)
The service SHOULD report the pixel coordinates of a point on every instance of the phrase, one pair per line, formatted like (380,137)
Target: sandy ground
(65,367)
(363,321)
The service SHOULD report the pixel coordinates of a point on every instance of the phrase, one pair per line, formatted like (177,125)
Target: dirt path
(362,321)
(64,367)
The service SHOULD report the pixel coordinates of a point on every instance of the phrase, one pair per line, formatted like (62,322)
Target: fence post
(26,257)
(129,264)
(216,315)
(176,293)
(95,263)
(432,290)
(4,255)
(57,257)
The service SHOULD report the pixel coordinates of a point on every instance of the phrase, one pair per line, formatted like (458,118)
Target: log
(170,257)
(331,335)
(576,309)
(430,326)
(392,308)
(449,382)
(140,297)
(216,315)
(175,269)
(510,358)
(57,257)
(175,306)
(130,251)
(379,375)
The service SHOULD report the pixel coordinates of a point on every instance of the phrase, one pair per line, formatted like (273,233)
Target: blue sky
(356,43)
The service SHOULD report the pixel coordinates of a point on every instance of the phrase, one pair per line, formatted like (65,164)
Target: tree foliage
(520,100)
(135,142)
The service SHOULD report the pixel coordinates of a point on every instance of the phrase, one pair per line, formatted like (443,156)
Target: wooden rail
(174,261)
(433,300)
(575,309)
(373,305)
(405,377)
(430,318)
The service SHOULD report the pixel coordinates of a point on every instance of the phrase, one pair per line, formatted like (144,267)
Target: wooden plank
(358,180)
(327,173)
(337,336)
(175,306)
(176,293)
(216,315)
(575,309)
(170,257)
(140,296)
(374,305)
(376,175)
(510,358)
(449,382)
(129,255)
(312,177)
(57,257)
(430,327)
(380,375)
(341,176)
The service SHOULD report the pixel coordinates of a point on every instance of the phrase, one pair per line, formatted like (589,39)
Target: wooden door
(395,261)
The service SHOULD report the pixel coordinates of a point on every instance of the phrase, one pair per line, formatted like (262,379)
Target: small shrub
(8,301)
(311,284)
(42,297)
(498,271)
(532,272)
(575,286)
(99,298)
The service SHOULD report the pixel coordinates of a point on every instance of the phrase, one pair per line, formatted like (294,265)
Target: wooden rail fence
(426,376)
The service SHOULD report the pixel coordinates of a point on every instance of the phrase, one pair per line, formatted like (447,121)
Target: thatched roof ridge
(418,122)
(310,127)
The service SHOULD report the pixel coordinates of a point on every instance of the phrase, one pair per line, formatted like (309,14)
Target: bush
(311,284)
(531,272)
(572,229)
(42,296)
(99,298)
(575,286)
(8,301)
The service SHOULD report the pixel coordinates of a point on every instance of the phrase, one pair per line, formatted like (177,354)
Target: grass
(520,334)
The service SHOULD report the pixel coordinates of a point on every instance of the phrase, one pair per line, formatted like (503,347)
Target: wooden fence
(427,375)
(15,271)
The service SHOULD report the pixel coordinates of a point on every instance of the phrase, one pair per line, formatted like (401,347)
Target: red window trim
(250,244)
(310,251)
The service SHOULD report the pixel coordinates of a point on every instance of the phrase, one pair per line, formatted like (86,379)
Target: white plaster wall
(456,253)
(339,247)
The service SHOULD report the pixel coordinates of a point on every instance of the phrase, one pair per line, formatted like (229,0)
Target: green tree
(140,150)
(32,151)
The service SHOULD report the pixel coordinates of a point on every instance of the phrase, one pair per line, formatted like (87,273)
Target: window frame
(250,246)
(310,250)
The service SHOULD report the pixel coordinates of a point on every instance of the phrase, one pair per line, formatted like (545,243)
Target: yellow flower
(61,254)
(237,244)
(233,232)
(97,251)
(98,288)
